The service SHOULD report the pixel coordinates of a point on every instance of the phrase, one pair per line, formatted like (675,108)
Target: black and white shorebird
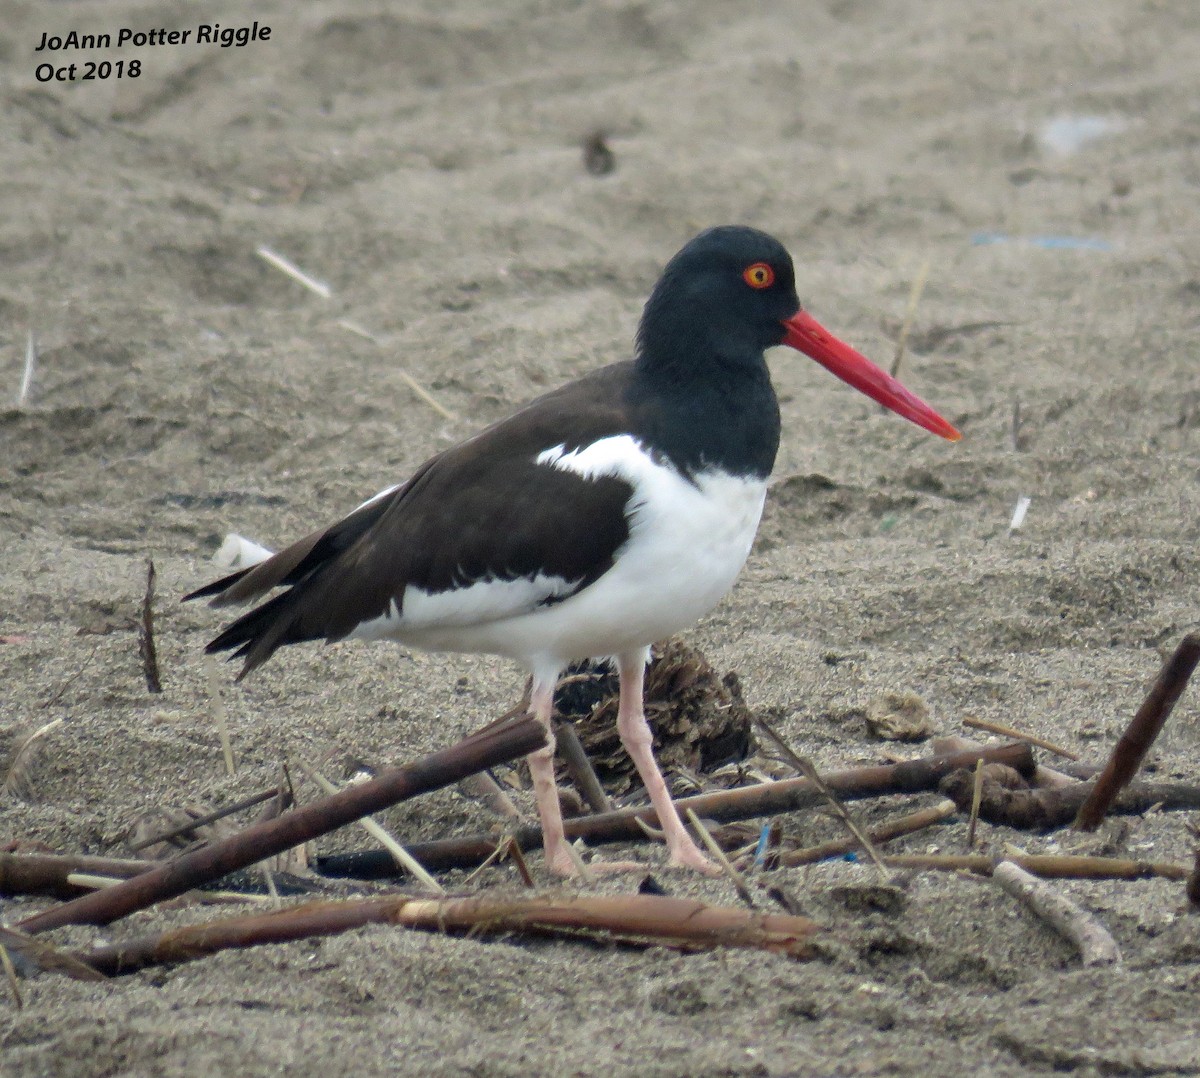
(600,518)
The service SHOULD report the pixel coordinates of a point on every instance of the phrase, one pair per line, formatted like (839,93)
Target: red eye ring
(759,275)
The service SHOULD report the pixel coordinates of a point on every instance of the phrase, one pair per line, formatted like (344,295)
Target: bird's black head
(730,294)
(722,299)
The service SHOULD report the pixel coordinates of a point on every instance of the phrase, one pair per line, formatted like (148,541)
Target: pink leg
(545,790)
(637,739)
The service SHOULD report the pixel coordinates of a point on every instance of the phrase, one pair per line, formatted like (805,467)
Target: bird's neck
(709,416)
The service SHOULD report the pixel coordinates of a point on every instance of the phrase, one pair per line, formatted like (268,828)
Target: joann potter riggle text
(204,34)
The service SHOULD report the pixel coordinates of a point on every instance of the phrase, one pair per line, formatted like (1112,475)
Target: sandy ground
(426,164)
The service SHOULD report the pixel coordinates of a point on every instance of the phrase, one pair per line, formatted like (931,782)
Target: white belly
(687,543)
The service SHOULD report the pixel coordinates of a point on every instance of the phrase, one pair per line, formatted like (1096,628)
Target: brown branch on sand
(644,920)
(270,837)
(579,767)
(1006,801)
(1017,735)
(512,849)
(885,832)
(1135,742)
(47,873)
(723,806)
(1096,947)
(145,630)
(1048,866)
(1192,888)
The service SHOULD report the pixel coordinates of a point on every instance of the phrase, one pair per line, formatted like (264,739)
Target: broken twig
(1017,735)
(1135,742)
(31,356)
(1096,946)
(263,840)
(146,645)
(734,876)
(190,826)
(910,313)
(1048,866)
(645,920)
(219,712)
(724,806)
(1007,802)
(809,770)
(288,267)
(976,798)
(902,825)
(579,767)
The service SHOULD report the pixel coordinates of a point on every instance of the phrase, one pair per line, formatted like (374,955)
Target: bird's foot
(560,862)
(688,855)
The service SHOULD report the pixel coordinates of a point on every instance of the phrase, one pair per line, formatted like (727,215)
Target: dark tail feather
(260,632)
(217,586)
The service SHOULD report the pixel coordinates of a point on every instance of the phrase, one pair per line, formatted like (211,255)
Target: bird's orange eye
(760,275)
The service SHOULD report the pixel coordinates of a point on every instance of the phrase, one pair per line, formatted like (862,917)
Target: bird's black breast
(728,421)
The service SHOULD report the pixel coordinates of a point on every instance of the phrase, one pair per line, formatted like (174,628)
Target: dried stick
(1005,805)
(404,859)
(1017,735)
(31,954)
(47,873)
(1048,866)
(579,767)
(486,789)
(976,799)
(1135,742)
(914,297)
(1192,889)
(287,266)
(808,769)
(263,840)
(902,825)
(219,712)
(207,818)
(645,920)
(518,858)
(735,877)
(10,974)
(77,673)
(1042,776)
(747,802)
(501,848)
(146,645)
(1096,947)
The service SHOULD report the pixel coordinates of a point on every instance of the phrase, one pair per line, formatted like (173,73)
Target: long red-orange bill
(807,335)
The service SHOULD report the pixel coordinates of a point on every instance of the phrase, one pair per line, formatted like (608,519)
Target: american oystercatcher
(600,518)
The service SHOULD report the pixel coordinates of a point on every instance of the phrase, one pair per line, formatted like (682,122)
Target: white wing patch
(480,603)
(619,455)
